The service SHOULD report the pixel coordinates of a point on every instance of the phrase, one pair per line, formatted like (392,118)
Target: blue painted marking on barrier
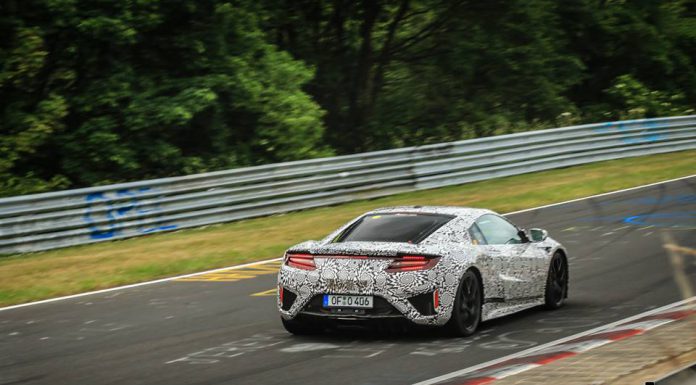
(648,136)
(159,228)
(96,231)
(131,209)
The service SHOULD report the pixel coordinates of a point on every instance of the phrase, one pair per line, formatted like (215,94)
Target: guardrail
(73,217)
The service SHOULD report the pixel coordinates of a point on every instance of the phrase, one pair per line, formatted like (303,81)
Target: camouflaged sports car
(444,266)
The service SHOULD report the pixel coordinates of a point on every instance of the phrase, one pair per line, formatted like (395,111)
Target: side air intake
(425,303)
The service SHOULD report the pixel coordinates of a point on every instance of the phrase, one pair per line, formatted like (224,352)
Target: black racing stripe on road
(217,333)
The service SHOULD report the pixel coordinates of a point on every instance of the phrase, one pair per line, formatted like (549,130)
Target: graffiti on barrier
(106,211)
(649,134)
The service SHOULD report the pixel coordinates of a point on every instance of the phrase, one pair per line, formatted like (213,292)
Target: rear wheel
(300,327)
(556,282)
(466,313)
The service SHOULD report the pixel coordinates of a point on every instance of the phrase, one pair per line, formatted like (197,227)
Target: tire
(556,290)
(466,312)
(300,327)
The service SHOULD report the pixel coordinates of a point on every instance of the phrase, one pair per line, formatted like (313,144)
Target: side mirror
(522,233)
(538,235)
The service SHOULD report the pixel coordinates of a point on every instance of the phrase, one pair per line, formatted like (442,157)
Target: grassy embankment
(31,277)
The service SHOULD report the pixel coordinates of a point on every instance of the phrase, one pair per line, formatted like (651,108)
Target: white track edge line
(559,341)
(277,259)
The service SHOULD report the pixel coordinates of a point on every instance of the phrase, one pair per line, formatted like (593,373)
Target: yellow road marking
(233,275)
(267,293)
(268,268)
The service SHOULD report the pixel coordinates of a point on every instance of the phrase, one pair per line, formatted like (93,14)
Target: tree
(112,91)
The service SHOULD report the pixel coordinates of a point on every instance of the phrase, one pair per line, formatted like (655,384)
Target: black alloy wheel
(466,313)
(556,282)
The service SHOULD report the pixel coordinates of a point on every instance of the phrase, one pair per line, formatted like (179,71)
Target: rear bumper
(389,302)
(381,309)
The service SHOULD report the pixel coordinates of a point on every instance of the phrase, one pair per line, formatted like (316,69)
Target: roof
(467,213)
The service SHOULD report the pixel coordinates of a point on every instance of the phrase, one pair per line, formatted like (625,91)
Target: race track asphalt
(211,329)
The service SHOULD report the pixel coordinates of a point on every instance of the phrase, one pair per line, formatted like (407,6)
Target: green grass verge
(31,277)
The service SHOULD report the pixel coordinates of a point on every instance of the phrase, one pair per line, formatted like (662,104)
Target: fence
(65,218)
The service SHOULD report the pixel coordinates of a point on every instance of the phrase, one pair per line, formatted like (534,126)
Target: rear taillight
(412,263)
(300,261)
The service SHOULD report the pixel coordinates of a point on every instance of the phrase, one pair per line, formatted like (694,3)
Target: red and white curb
(545,354)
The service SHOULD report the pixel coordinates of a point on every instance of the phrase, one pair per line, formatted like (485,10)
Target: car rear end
(361,286)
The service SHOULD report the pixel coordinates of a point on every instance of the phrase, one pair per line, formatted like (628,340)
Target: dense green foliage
(102,91)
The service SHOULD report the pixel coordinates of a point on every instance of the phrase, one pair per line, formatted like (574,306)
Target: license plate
(354,301)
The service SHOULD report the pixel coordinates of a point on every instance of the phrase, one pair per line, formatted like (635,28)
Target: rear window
(401,227)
